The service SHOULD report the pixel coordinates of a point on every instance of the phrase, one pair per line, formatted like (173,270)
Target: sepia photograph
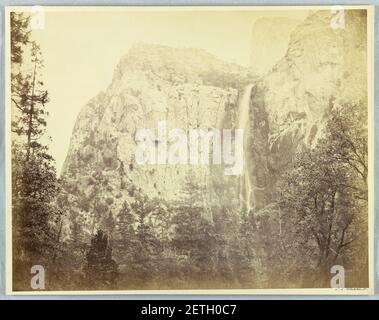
(189,150)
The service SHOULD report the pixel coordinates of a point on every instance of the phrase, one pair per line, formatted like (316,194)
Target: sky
(81,49)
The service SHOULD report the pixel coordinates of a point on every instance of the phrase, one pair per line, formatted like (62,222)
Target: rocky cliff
(269,42)
(189,88)
(323,67)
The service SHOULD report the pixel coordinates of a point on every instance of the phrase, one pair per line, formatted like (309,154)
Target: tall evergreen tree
(125,238)
(195,237)
(34,181)
(101,270)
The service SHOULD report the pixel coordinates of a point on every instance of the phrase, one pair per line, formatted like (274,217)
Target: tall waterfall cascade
(243,122)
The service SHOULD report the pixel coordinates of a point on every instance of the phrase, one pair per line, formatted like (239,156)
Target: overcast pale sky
(81,49)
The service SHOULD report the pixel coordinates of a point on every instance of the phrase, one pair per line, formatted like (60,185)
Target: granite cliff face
(281,113)
(187,88)
(269,42)
(322,68)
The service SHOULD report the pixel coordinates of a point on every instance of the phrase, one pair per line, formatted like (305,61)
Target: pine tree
(195,236)
(148,246)
(101,270)
(109,225)
(124,225)
(125,238)
(20,35)
(29,99)
(34,182)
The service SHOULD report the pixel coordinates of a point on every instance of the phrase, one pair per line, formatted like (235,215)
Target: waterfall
(243,122)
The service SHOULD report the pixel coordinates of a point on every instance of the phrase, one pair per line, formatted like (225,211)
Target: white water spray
(243,122)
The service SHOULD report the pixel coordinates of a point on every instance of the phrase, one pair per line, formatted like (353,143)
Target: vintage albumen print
(189,149)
